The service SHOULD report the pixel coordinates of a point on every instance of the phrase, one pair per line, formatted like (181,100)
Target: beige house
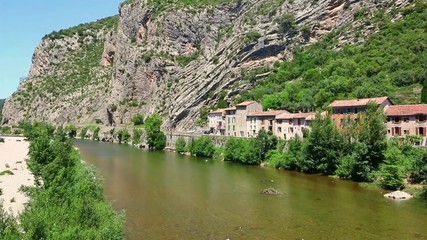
(404,120)
(236,118)
(216,121)
(262,120)
(289,125)
(230,121)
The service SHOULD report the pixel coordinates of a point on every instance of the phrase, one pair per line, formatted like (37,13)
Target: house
(404,120)
(216,121)
(230,121)
(236,118)
(289,125)
(261,120)
(342,109)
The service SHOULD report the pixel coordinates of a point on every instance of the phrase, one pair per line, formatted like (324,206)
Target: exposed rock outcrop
(171,61)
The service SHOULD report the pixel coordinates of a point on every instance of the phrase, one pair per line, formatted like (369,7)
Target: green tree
(244,151)
(96,133)
(123,136)
(203,147)
(324,147)
(156,139)
(266,141)
(83,132)
(391,173)
(136,138)
(71,130)
(180,145)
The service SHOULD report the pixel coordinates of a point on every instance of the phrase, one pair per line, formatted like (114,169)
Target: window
(291,130)
(228,127)
(397,119)
(271,122)
(279,129)
(405,131)
(406,119)
(299,122)
(234,128)
(421,118)
(228,119)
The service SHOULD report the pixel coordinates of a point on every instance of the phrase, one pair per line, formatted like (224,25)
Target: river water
(169,196)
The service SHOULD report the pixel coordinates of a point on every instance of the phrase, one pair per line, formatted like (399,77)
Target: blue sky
(23,23)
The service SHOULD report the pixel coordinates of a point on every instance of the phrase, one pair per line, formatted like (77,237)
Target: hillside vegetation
(390,63)
(1,108)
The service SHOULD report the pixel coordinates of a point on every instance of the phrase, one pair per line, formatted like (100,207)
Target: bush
(67,202)
(123,136)
(83,132)
(138,119)
(180,145)
(203,147)
(137,134)
(242,150)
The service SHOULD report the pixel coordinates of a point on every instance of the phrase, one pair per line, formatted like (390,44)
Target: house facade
(344,109)
(236,118)
(262,120)
(404,120)
(289,125)
(216,121)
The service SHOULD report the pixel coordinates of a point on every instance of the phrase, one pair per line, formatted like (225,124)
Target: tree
(180,145)
(424,92)
(138,119)
(266,142)
(156,139)
(391,173)
(242,150)
(203,147)
(71,130)
(95,135)
(324,147)
(83,132)
(123,136)
(136,138)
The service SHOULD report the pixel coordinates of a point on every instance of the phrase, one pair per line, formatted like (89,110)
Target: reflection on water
(169,196)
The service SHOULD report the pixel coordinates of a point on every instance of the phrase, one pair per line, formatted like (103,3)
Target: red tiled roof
(267,113)
(230,109)
(406,110)
(218,111)
(308,115)
(357,102)
(246,103)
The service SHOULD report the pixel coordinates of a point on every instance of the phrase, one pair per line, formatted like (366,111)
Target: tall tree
(156,139)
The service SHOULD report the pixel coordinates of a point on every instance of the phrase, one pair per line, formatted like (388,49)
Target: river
(169,196)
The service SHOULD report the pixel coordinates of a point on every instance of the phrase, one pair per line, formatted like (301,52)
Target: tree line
(67,200)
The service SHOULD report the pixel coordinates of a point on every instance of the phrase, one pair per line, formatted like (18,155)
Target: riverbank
(14,173)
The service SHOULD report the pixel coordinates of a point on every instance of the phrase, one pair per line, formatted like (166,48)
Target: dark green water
(169,196)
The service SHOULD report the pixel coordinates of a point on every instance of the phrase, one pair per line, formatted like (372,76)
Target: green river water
(169,196)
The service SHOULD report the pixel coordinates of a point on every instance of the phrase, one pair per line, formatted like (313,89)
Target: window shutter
(424,132)
(392,131)
(400,131)
(416,131)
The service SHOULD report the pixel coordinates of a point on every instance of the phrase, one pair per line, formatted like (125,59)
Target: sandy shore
(13,155)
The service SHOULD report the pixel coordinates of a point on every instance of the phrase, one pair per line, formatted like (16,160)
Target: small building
(230,121)
(404,120)
(262,120)
(216,120)
(342,109)
(289,125)
(236,118)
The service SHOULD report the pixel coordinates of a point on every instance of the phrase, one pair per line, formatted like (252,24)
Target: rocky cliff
(174,58)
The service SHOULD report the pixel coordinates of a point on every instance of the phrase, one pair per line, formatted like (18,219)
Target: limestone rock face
(173,60)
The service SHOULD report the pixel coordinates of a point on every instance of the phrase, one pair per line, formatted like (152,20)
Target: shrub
(138,119)
(83,132)
(123,136)
(242,150)
(137,134)
(180,145)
